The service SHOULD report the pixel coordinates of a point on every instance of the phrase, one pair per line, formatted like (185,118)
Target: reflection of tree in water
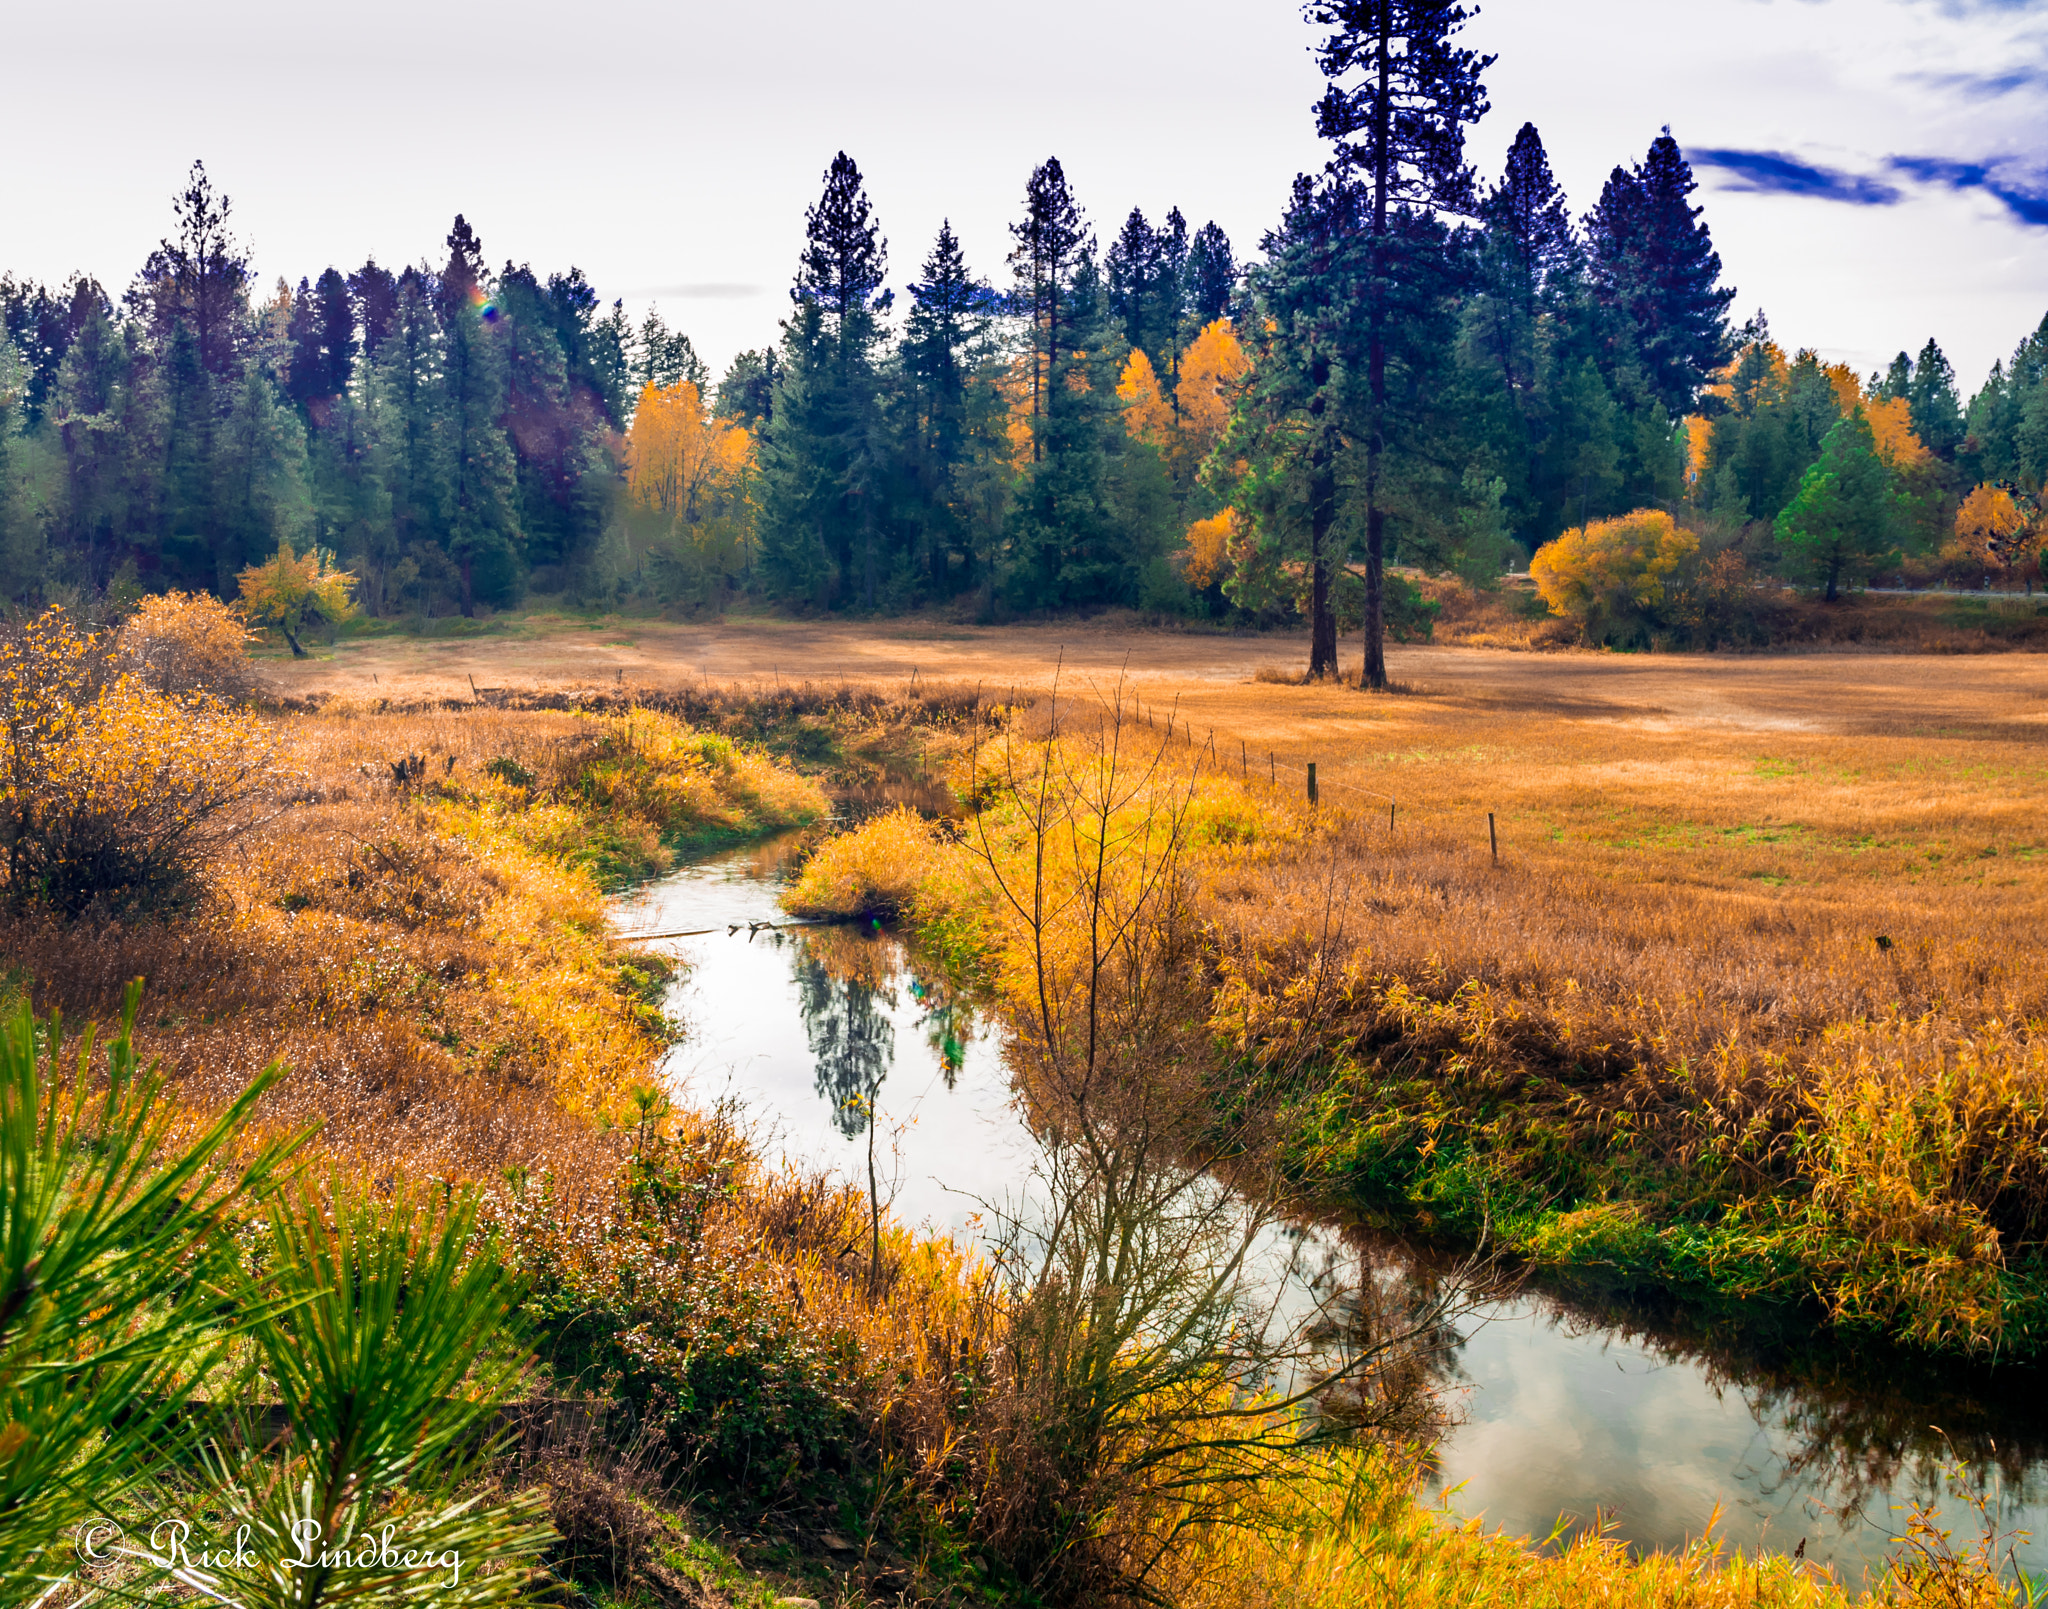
(1860,1425)
(845,1009)
(847,982)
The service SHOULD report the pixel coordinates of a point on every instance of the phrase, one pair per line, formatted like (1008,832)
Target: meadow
(417,931)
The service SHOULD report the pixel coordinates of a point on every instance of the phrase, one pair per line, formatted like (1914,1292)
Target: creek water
(842,1051)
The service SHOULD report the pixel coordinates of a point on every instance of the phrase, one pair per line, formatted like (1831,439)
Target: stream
(1641,1417)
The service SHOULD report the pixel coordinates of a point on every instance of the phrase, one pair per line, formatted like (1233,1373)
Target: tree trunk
(292,637)
(1373,672)
(1322,517)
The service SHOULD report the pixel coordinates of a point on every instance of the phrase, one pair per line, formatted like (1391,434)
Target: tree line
(1420,369)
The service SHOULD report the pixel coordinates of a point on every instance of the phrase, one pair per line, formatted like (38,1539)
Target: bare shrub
(1167,1372)
(188,642)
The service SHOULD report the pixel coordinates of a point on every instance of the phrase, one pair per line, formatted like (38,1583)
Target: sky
(1874,171)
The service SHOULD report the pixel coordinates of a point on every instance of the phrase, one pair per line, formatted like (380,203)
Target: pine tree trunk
(1322,518)
(1373,672)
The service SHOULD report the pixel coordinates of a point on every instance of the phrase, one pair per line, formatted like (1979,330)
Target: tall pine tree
(1400,96)
(944,339)
(1655,267)
(821,470)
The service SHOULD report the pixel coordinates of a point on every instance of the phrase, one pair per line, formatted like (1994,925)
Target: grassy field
(1697,858)
(1745,1004)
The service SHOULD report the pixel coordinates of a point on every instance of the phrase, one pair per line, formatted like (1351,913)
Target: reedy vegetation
(1838,1099)
(453,1010)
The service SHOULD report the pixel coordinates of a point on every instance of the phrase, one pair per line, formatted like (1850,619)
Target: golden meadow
(412,921)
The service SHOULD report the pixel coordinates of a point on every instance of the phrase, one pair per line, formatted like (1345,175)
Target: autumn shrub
(1614,577)
(188,642)
(884,868)
(113,796)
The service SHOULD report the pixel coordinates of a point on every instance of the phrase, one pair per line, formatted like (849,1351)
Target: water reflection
(1572,1399)
(851,1036)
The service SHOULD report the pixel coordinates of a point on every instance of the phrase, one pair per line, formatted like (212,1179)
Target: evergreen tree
(1135,262)
(1655,267)
(376,297)
(746,394)
(553,414)
(21,536)
(1211,274)
(821,468)
(663,357)
(1050,239)
(1895,382)
(412,440)
(323,338)
(1936,411)
(1288,428)
(611,364)
(1842,522)
(945,335)
(482,536)
(95,412)
(1399,98)
(198,277)
(1086,523)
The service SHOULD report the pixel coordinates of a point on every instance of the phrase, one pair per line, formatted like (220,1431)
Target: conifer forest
(1433,359)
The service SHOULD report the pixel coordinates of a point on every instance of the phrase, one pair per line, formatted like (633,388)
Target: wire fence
(1312,784)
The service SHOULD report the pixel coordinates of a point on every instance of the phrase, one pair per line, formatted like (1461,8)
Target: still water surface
(1567,1407)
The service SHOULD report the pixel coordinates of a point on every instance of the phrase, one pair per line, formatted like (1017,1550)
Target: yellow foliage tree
(1891,426)
(1209,549)
(678,455)
(1148,416)
(286,591)
(1848,389)
(1991,523)
(1208,380)
(1613,576)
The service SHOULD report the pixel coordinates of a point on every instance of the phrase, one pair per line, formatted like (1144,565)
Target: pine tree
(1050,238)
(1288,430)
(746,394)
(94,408)
(554,416)
(412,440)
(376,297)
(663,357)
(1400,96)
(1895,382)
(1655,267)
(944,337)
(1937,413)
(1211,274)
(821,467)
(21,536)
(1842,522)
(1134,262)
(199,277)
(323,338)
(482,535)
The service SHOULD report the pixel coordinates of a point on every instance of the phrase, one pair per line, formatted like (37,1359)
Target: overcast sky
(1874,171)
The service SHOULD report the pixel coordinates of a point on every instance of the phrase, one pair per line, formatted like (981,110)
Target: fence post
(1244,759)
(1273,770)
(1311,782)
(1492,839)
(1390,818)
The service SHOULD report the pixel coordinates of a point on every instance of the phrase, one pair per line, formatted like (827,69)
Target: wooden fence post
(1311,782)
(1492,839)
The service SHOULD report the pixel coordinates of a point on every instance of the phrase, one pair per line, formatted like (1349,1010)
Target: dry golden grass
(1788,972)
(448,999)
